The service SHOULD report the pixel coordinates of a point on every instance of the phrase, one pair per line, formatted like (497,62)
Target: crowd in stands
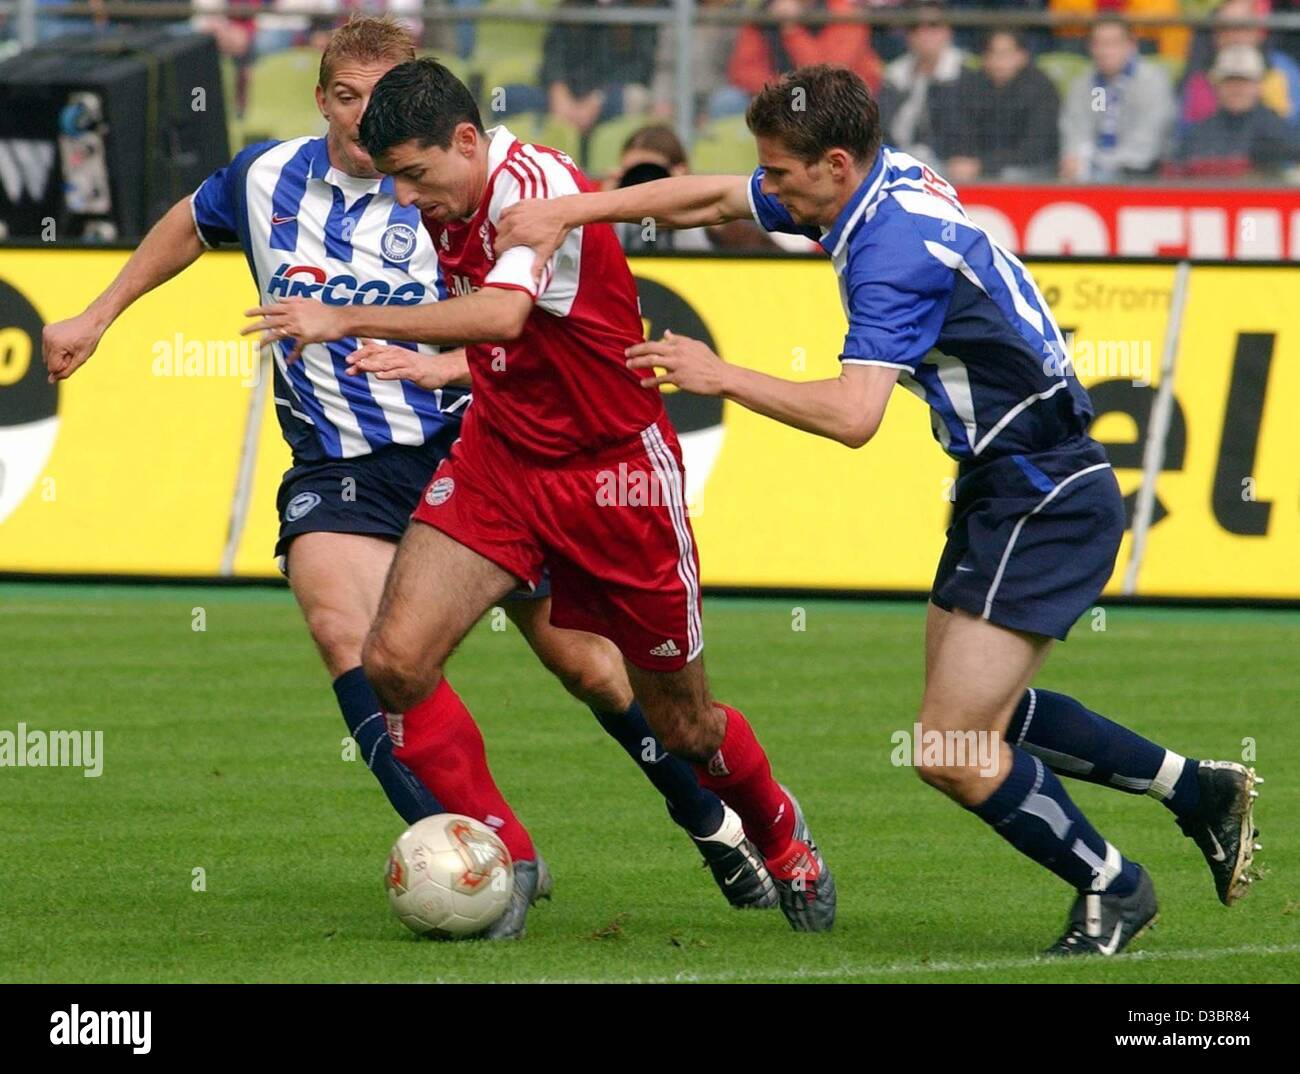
(1105,101)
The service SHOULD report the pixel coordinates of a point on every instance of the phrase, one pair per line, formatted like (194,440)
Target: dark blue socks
(1074,741)
(690,805)
(361,712)
(1032,812)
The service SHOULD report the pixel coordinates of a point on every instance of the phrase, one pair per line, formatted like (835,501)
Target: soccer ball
(449,876)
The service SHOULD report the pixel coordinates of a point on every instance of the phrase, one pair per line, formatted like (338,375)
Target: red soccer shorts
(610,527)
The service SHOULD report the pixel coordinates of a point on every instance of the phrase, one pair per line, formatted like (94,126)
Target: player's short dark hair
(419,101)
(815,109)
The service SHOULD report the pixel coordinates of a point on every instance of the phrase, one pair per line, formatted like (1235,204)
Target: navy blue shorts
(372,495)
(1033,538)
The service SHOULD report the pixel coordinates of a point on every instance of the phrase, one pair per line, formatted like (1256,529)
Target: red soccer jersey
(562,388)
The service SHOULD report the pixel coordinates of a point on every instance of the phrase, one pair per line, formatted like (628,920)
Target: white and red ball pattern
(449,876)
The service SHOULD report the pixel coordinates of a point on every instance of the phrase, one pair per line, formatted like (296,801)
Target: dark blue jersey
(927,291)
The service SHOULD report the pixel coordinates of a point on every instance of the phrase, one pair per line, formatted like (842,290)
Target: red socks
(739,774)
(439,741)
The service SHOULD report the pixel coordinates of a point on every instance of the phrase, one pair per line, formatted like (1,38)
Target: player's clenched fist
(685,362)
(66,345)
(298,319)
(428,371)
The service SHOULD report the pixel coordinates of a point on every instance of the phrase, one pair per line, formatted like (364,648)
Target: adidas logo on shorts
(668,648)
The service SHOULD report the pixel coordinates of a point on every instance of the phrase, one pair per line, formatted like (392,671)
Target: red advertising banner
(1242,223)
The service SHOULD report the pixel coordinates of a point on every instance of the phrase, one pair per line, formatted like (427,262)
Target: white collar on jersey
(499,142)
(352,187)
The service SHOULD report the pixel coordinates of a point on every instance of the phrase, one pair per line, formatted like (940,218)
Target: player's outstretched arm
(489,315)
(427,371)
(681,201)
(172,245)
(847,409)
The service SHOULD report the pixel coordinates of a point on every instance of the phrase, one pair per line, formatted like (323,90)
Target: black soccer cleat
(1223,826)
(737,867)
(1101,924)
(804,884)
(532,882)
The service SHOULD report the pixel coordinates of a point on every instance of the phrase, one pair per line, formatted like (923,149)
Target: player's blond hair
(368,39)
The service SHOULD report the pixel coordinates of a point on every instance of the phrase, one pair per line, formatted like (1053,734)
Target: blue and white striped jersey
(927,291)
(309,229)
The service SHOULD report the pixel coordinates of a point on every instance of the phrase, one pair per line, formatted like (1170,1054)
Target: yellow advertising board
(1233,490)
(132,465)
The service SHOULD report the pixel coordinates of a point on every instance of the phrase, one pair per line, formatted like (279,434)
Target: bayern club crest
(398,242)
(440,491)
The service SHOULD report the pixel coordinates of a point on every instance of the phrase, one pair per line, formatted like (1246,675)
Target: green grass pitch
(222,752)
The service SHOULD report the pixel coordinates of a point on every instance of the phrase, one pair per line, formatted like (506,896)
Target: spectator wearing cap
(763,53)
(1280,87)
(925,98)
(1118,114)
(1011,121)
(1244,137)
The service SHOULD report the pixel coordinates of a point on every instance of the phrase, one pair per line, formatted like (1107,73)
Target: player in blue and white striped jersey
(935,304)
(315,219)
(311,229)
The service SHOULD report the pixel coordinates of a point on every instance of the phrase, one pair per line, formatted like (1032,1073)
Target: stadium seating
(724,148)
(606,143)
(280,101)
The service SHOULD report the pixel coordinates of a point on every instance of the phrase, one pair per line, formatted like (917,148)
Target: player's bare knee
(400,678)
(600,687)
(339,636)
(964,783)
(596,677)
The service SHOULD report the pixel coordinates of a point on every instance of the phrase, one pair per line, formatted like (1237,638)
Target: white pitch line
(894,969)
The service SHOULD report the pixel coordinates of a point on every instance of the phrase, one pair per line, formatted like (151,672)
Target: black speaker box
(101,133)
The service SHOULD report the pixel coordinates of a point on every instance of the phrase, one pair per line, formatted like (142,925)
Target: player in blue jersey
(935,305)
(314,217)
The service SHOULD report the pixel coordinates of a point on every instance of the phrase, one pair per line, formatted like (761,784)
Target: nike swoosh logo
(1110,948)
(1218,854)
(734,877)
(282,219)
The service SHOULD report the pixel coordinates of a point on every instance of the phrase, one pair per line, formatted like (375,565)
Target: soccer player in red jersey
(558,420)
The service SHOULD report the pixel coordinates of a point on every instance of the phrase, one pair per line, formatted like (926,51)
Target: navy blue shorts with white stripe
(1033,538)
